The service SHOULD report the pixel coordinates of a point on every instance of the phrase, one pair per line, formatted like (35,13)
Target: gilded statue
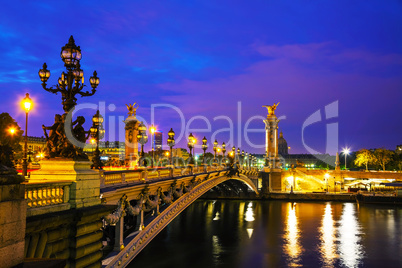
(132,109)
(271,109)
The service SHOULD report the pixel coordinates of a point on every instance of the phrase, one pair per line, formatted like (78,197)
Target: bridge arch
(133,248)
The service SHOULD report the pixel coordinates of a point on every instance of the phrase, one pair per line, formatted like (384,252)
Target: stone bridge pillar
(12,218)
(271,141)
(131,128)
(272,179)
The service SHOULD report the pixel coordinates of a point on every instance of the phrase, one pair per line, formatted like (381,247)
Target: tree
(9,142)
(364,157)
(383,156)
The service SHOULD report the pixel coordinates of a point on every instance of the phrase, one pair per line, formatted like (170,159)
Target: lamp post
(204,148)
(242,157)
(142,139)
(97,132)
(171,142)
(69,84)
(346,151)
(190,145)
(223,152)
(215,148)
(238,154)
(27,106)
(152,129)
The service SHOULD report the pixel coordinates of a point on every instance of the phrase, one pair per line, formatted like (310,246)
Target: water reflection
(216,250)
(250,213)
(327,235)
(282,234)
(216,216)
(249,217)
(350,250)
(292,234)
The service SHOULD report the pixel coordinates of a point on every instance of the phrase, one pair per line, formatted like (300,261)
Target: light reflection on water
(278,234)
(350,249)
(328,237)
(292,233)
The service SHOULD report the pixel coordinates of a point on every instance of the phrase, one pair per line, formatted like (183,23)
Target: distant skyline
(213,60)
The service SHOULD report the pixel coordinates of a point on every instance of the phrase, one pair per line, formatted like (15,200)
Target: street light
(346,151)
(11,130)
(142,139)
(190,144)
(204,147)
(152,129)
(215,148)
(69,83)
(27,105)
(97,133)
(171,142)
(223,151)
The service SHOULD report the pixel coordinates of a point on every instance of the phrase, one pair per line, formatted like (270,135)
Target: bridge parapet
(47,197)
(110,178)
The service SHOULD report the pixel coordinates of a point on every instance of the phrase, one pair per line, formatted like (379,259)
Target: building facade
(158,140)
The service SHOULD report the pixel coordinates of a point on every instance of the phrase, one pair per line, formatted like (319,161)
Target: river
(227,233)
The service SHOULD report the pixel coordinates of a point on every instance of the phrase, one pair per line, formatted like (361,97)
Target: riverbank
(346,197)
(319,197)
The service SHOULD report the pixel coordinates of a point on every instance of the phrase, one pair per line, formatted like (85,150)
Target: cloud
(303,78)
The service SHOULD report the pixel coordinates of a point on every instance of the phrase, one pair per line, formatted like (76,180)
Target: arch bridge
(165,193)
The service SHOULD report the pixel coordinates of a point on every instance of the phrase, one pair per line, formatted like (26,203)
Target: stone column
(12,218)
(272,179)
(271,141)
(131,128)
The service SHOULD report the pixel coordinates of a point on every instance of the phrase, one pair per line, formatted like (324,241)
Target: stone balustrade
(46,197)
(53,196)
(142,175)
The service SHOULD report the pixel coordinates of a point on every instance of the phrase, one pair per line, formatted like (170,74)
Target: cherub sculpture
(132,109)
(52,138)
(271,109)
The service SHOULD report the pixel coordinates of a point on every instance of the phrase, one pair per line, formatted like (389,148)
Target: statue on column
(132,110)
(131,129)
(271,108)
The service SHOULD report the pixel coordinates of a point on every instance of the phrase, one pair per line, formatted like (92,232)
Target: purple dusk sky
(217,63)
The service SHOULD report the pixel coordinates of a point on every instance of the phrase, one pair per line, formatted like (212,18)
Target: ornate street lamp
(190,144)
(27,105)
(72,82)
(223,152)
(97,133)
(142,139)
(215,148)
(69,84)
(204,147)
(242,157)
(171,142)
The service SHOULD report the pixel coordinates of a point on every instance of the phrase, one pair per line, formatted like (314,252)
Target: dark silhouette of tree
(9,142)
